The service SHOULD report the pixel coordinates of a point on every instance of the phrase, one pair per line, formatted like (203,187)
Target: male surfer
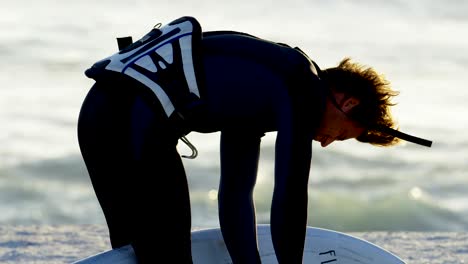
(178,80)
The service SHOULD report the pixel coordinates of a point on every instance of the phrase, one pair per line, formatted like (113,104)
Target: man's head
(359,102)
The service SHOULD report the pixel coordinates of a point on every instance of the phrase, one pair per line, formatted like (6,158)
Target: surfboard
(322,246)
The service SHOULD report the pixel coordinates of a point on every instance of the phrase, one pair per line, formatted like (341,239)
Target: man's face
(336,125)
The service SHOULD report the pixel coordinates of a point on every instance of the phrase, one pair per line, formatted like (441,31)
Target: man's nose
(327,142)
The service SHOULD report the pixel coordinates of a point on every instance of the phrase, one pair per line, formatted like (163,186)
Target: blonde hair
(375,95)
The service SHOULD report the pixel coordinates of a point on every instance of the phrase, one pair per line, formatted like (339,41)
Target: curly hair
(375,95)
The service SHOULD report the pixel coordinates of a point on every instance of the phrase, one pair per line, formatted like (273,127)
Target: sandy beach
(68,243)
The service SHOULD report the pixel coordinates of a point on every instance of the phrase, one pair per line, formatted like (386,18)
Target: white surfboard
(322,246)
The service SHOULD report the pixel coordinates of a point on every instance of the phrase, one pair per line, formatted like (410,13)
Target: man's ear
(349,103)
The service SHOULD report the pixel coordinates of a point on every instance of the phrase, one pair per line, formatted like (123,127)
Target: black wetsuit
(251,86)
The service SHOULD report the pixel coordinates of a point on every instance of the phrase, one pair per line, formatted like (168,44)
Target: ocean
(421,46)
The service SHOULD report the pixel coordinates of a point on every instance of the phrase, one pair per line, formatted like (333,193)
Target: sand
(68,243)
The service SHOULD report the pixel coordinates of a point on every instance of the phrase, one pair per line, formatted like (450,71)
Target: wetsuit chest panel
(249,81)
(243,92)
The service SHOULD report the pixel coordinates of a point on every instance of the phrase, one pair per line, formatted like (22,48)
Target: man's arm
(289,205)
(239,163)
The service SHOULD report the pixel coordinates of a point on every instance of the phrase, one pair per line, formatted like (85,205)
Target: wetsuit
(251,86)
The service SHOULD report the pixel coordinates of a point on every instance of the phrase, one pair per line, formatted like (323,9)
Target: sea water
(421,46)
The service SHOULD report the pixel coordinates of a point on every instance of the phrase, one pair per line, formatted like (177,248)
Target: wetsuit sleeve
(293,153)
(290,196)
(239,164)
